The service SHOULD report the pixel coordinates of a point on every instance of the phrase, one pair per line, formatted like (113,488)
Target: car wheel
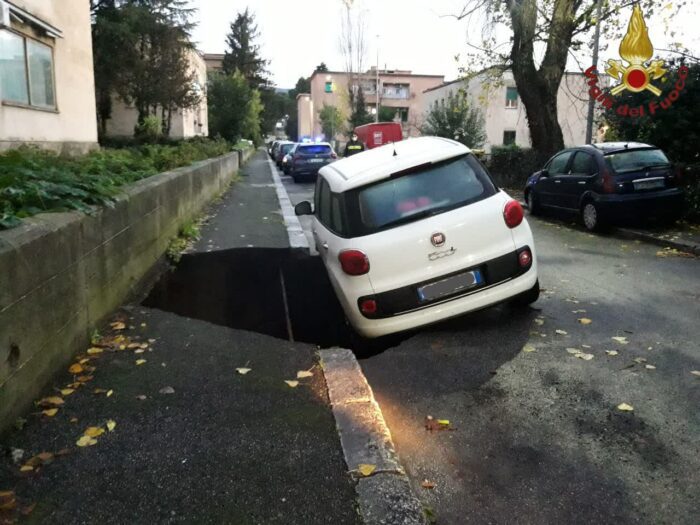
(532,203)
(529,297)
(590,215)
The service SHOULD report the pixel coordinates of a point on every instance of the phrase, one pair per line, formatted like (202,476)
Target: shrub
(34,181)
(511,165)
(151,129)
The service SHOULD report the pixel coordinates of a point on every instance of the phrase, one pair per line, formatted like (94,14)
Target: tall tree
(234,108)
(359,114)
(322,67)
(141,52)
(543,33)
(353,48)
(456,119)
(243,52)
(331,121)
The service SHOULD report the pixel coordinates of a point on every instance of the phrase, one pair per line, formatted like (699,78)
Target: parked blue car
(606,183)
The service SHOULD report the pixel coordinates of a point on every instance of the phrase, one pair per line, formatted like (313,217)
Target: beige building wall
(305,112)
(407,99)
(71,124)
(185,123)
(490,96)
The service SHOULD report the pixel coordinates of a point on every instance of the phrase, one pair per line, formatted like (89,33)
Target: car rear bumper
(400,310)
(635,205)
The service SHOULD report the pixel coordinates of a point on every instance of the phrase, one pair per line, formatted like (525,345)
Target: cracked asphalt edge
(635,235)
(385,496)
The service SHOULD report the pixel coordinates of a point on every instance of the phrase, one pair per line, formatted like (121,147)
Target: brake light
(368,306)
(679,175)
(513,214)
(354,262)
(608,182)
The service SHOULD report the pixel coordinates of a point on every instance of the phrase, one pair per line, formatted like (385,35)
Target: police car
(416,232)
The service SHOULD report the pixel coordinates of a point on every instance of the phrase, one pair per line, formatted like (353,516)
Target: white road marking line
(297,238)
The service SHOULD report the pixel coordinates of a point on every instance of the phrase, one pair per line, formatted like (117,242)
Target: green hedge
(690,181)
(510,166)
(34,181)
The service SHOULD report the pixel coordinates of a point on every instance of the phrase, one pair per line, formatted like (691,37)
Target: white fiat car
(416,232)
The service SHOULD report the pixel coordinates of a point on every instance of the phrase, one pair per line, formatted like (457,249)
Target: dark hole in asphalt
(242,288)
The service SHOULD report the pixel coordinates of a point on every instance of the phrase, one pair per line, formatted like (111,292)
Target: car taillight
(354,262)
(368,306)
(608,182)
(525,258)
(513,214)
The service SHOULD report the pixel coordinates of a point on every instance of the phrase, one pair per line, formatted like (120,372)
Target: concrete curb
(385,496)
(297,238)
(626,233)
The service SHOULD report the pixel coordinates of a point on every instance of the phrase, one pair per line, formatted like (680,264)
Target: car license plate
(649,184)
(315,160)
(451,285)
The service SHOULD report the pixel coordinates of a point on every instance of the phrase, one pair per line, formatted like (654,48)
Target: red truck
(379,133)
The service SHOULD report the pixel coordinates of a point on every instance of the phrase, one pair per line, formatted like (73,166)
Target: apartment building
(504,114)
(399,90)
(185,123)
(47,87)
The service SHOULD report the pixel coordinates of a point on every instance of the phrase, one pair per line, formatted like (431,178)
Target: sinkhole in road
(284,293)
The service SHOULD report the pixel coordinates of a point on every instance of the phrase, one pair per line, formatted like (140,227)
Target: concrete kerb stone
(297,238)
(385,496)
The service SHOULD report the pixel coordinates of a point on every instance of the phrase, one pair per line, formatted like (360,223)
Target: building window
(508,138)
(403,114)
(397,91)
(26,71)
(511,97)
(329,87)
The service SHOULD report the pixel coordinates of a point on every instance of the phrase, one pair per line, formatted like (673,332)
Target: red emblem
(438,239)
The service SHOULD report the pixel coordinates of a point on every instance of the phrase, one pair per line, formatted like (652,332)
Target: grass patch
(34,181)
(189,233)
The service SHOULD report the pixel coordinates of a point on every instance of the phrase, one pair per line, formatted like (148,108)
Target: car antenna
(394,145)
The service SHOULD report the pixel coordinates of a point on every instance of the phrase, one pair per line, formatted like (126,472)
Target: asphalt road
(536,436)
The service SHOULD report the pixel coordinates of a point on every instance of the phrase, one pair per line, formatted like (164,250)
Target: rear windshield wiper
(414,217)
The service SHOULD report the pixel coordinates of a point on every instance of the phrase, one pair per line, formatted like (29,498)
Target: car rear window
(316,149)
(430,190)
(287,147)
(636,159)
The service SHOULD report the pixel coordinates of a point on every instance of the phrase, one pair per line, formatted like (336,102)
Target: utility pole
(591,100)
(376,117)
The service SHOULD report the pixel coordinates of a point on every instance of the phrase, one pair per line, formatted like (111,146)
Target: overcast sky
(296,35)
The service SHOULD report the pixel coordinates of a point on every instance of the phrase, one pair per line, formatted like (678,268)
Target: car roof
(612,147)
(380,163)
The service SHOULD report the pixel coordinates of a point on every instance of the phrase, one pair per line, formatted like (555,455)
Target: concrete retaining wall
(62,273)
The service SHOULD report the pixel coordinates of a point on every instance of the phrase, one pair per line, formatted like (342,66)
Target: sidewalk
(182,436)
(681,237)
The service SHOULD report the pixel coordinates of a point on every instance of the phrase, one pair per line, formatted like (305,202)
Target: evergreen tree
(243,53)
(359,114)
(456,119)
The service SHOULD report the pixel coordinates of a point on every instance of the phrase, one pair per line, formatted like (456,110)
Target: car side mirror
(303,208)
(544,173)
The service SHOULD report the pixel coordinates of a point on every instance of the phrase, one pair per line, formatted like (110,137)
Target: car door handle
(557,182)
(324,245)
(582,182)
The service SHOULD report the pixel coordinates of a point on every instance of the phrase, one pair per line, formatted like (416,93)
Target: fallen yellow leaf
(85,379)
(45,457)
(86,441)
(109,393)
(243,371)
(140,361)
(366,469)
(67,391)
(650,367)
(95,350)
(111,424)
(26,468)
(94,432)
(76,368)
(573,351)
(585,320)
(426,484)
(621,340)
(528,348)
(611,352)
(561,332)
(50,401)
(117,326)
(74,420)
(292,384)
(301,374)
(98,391)
(625,407)
(131,346)
(443,422)
(139,351)
(539,322)
(50,412)
(85,360)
